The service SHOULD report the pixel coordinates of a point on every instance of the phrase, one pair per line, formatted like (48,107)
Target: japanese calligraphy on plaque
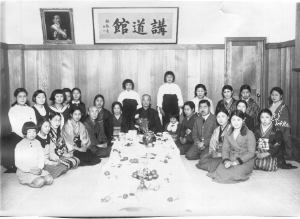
(135,25)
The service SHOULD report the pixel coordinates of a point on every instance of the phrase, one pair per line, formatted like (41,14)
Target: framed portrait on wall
(57,25)
(135,25)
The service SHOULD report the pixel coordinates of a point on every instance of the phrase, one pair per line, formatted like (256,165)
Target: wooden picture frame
(135,25)
(57,25)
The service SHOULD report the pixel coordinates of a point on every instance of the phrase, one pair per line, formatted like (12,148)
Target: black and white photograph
(160,108)
(57,26)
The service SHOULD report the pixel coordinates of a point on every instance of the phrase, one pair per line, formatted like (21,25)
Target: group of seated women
(229,140)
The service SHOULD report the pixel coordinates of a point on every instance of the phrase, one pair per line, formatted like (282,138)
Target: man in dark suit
(202,132)
(150,114)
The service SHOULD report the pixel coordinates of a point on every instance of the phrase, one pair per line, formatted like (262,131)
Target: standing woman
(169,98)
(185,141)
(40,107)
(200,94)
(58,98)
(281,119)
(228,102)
(238,152)
(130,100)
(19,113)
(76,101)
(252,107)
(104,118)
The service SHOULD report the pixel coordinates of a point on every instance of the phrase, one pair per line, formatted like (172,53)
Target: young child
(130,101)
(29,159)
(76,101)
(55,168)
(173,127)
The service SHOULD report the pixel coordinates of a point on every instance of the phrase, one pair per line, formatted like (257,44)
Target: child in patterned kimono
(55,168)
(270,148)
(281,120)
(130,101)
(58,150)
(169,98)
(228,102)
(29,159)
(252,107)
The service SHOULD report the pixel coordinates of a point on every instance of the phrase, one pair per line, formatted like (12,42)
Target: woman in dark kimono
(169,98)
(252,107)
(228,102)
(243,106)
(270,150)
(281,120)
(118,120)
(40,107)
(104,119)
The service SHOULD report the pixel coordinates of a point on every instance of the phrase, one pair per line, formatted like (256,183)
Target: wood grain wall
(101,69)
(281,61)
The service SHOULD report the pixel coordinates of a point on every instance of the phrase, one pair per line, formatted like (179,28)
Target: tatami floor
(76,194)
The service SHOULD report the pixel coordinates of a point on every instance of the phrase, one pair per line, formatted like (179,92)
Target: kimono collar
(76,102)
(263,133)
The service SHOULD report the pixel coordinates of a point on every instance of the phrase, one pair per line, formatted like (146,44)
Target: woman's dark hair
(27,126)
(55,92)
(16,93)
(245,87)
(73,109)
(76,89)
(223,110)
(277,89)
(200,86)
(169,73)
(190,104)
(265,110)
(241,115)
(242,101)
(174,115)
(53,114)
(204,101)
(99,96)
(67,90)
(226,87)
(36,93)
(114,104)
(41,123)
(127,81)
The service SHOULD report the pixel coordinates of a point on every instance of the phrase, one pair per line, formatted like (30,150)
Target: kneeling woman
(214,157)
(237,153)
(77,139)
(270,149)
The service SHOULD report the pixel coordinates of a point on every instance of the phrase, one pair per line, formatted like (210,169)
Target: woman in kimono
(228,102)
(130,101)
(281,120)
(104,120)
(58,98)
(169,98)
(185,140)
(77,139)
(77,102)
(270,150)
(40,106)
(252,107)
(214,157)
(243,106)
(58,151)
(201,94)
(238,152)
(118,120)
